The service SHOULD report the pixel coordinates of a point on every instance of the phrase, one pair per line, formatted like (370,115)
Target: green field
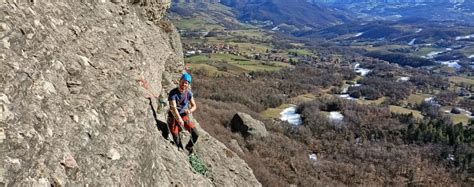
(302,98)
(233,64)
(468,51)
(456,118)
(251,48)
(211,70)
(301,51)
(459,118)
(368,102)
(425,50)
(417,98)
(196,23)
(401,110)
(460,79)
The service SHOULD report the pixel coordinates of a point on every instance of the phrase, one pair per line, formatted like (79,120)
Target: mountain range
(386,1)
(439,10)
(291,16)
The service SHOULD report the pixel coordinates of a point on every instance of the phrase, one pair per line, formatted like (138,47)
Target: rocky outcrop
(72,105)
(246,125)
(227,168)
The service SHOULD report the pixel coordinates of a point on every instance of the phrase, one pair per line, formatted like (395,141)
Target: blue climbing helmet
(187,77)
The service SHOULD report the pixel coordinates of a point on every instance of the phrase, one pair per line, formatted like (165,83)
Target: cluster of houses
(193,49)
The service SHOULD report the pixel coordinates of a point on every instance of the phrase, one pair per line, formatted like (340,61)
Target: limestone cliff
(72,110)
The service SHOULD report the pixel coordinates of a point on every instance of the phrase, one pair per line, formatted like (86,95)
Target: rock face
(245,124)
(72,105)
(227,168)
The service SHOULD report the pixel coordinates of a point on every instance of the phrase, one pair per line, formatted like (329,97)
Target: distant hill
(386,1)
(287,15)
(459,10)
(402,31)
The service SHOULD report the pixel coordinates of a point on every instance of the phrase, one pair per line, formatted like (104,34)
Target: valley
(372,102)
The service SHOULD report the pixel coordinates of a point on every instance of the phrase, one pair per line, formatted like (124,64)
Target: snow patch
(471,56)
(451,63)
(432,101)
(347,96)
(403,79)
(362,71)
(275,28)
(465,37)
(466,112)
(451,157)
(335,116)
(418,30)
(344,90)
(412,42)
(359,34)
(432,54)
(290,115)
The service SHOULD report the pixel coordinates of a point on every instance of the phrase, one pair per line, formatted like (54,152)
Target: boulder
(246,125)
(455,110)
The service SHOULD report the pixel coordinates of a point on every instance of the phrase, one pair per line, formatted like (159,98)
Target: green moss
(198,165)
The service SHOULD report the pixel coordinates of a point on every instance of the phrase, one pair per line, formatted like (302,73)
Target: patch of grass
(468,50)
(401,110)
(196,23)
(260,66)
(327,90)
(300,51)
(211,70)
(252,33)
(459,118)
(297,44)
(274,112)
(233,64)
(417,98)
(456,118)
(368,102)
(197,59)
(358,78)
(198,165)
(425,50)
(460,79)
(302,98)
(251,48)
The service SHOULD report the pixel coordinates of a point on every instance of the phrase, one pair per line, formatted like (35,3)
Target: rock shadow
(161,125)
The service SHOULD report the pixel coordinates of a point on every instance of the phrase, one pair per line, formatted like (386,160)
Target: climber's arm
(193,105)
(174,111)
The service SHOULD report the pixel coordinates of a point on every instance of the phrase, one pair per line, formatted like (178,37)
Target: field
(232,64)
(368,102)
(459,118)
(401,110)
(274,112)
(423,51)
(417,98)
(459,80)
(300,51)
(456,118)
(197,23)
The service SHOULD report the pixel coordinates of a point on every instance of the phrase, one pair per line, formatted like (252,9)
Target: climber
(182,104)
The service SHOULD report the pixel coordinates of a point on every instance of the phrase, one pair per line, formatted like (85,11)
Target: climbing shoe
(190,149)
